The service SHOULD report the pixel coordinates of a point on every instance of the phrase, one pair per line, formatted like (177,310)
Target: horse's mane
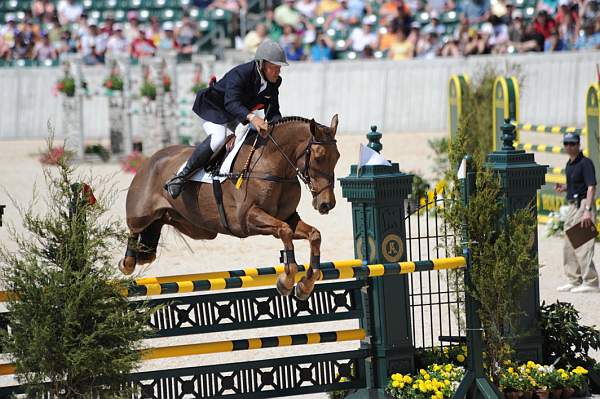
(289,119)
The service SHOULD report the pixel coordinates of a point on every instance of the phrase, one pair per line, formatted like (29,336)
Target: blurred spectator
(68,11)
(362,37)
(233,6)
(117,43)
(568,30)
(23,48)
(153,32)
(321,49)
(295,51)
(476,11)
(39,8)
(131,31)
(532,40)
(308,8)
(342,17)
(107,26)
(393,8)
(43,50)
(286,14)
(326,7)
(434,24)
(402,49)
(288,36)
(142,46)
(9,31)
(167,40)
(387,36)
(428,46)
(480,42)
(186,35)
(4,49)
(554,42)
(92,45)
(544,24)
(590,38)
(254,38)
(499,38)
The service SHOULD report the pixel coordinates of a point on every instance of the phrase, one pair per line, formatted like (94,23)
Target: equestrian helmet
(270,51)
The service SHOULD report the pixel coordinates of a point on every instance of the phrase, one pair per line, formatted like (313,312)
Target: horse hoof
(282,289)
(145,258)
(125,265)
(301,295)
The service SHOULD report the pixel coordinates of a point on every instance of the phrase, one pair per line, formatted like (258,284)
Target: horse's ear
(334,124)
(313,127)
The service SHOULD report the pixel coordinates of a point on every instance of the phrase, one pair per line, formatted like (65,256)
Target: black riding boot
(198,160)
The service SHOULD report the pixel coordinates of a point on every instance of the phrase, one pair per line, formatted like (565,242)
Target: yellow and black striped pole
(375,270)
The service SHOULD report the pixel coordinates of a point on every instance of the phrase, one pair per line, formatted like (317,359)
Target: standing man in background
(581,189)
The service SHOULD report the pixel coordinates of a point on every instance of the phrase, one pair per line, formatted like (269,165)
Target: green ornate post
(520,178)
(378,194)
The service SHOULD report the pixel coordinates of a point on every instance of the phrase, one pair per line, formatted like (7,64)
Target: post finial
(374,136)
(508,135)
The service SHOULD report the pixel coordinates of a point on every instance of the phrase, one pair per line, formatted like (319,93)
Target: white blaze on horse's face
(324,156)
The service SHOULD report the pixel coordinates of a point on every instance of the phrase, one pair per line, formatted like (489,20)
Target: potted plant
(579,381)
(132,162)
(113,83)
(556,383)
(66,86)
(511,383)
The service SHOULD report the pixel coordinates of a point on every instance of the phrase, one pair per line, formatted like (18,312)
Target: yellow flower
(397,377)
(460,358)
(439,395)
(408,379)
(530,364)
(447,382)
(437,367)
(422,388)
(422,372)
(395,384)
(511,370)
(507,362)
(415,386)
(426,376)
(448,367)
(401,385)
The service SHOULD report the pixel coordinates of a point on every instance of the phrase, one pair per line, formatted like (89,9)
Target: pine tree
(72,332)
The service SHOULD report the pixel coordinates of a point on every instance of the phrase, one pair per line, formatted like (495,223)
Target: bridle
(303,174)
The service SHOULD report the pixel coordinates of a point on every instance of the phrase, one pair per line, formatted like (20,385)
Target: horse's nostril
(325,207)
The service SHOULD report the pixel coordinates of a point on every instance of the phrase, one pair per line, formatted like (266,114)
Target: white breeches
(218,132)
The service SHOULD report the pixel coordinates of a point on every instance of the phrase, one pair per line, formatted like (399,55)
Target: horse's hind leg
(149,242)
(127,264)
(141,248)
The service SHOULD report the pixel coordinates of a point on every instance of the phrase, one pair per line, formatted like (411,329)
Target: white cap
(92,22)
(167,25)
(117,27)
(517,14)
(434,14)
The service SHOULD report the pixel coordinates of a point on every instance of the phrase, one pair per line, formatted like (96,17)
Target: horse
(295,149)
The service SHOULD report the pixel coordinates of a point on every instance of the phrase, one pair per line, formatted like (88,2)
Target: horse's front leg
(260,222)
(305,231)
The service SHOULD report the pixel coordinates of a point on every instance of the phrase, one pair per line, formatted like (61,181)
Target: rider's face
(271,71)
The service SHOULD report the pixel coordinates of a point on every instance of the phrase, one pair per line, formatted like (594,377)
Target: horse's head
(320,159)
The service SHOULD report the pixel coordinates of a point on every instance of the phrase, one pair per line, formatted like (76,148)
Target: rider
(232,100)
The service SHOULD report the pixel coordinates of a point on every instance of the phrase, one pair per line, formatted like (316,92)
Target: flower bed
(434,382)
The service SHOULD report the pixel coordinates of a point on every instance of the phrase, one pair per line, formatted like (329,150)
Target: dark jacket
(234,96)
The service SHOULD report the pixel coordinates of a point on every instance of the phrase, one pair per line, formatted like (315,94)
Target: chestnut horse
(295,149)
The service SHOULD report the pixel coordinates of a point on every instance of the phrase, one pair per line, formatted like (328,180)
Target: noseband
(304,174)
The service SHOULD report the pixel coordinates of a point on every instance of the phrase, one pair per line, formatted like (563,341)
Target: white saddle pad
(203,176)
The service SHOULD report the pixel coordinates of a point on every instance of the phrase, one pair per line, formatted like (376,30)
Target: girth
(218,192)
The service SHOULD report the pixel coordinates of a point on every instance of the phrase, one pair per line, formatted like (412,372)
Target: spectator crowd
(317,30)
